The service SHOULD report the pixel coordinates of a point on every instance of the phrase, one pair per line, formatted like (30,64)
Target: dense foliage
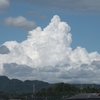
(55,92)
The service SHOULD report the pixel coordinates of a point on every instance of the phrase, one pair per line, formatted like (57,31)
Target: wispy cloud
(20,22)
(4,4)
(67,5)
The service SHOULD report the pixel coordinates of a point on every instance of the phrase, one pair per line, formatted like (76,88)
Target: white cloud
(20,22)
(4,4)
(46,55)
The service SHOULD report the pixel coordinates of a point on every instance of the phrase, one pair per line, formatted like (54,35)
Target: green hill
(18,86)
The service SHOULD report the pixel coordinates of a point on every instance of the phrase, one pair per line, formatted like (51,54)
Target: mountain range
(29,86)
(18,86)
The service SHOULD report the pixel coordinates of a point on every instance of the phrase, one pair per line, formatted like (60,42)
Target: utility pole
(81,88)
(46,98)
(34,91)
(92,85)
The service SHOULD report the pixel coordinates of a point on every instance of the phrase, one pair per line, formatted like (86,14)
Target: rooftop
(85,96)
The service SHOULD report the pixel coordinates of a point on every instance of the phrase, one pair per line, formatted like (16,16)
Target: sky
(50,40)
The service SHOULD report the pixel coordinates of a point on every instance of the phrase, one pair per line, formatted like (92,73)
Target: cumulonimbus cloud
(46,55)
(20,22)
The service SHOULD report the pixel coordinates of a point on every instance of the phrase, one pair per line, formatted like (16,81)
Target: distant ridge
(18,86)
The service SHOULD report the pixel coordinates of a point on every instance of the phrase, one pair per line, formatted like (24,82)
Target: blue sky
(85,25)
(83,17)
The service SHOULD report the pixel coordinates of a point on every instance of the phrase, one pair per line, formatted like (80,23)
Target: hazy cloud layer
(14,70)
(4,4)
(47,55)
(20,22)
(67,5)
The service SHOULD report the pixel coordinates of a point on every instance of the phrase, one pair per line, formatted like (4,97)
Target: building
(84,96)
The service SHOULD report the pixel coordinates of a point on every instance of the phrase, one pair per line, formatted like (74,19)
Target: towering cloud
(47,55)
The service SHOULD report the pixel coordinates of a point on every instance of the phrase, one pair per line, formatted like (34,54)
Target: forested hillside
(18,86)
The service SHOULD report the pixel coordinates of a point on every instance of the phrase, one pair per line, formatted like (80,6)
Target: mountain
(27,86)
(18,86)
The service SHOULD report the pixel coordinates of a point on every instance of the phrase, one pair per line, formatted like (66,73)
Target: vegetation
(55,92)
(16,89)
